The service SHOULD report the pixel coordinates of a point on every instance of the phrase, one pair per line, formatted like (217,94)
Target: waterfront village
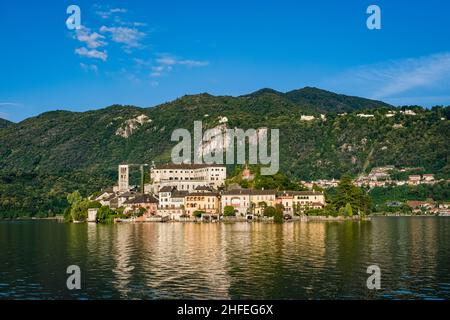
(197,192)
(190,192)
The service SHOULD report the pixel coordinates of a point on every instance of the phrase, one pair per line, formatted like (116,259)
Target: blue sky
(148,52)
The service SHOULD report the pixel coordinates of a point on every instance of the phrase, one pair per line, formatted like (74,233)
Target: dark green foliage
(278,215)
(349,199)
(198,213)
(278,181)
(105,215)
(228,211)
(269,211)
(4,123)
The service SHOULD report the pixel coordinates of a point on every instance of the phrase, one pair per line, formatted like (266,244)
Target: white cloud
(116,10)
(167,63)
(157,71)
(170,61)
(89,67)
(193,63)
(93,53)
(107,13)
(394,78)
(92,39)
(130,37)
(9,104)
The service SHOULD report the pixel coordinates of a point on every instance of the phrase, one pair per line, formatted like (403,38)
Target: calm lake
(314,260)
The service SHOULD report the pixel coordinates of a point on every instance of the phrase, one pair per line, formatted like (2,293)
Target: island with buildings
(201,192)
(192,192)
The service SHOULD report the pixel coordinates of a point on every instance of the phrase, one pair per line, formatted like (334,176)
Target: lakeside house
(171,202)
(260,199)
(414,179)
(300,201)
(247,202)
(253,202)
(429,207)
(239,199)
(202,199)
(148,202)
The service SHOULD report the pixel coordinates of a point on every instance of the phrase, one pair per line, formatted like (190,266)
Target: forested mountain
(44,157)
(4,123)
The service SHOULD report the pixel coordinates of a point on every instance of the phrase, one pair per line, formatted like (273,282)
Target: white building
(186,177)
(363,115)
(408,112)
(239,199)
(171,202)
(92,215)
(307,118)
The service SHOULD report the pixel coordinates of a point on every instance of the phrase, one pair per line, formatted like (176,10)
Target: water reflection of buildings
(122,253)
(171,260)
(280,260)
(249,260)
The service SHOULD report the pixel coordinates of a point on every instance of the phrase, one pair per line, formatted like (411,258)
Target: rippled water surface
(318,260)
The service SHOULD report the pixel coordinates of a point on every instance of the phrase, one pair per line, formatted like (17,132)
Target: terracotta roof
(167,189)
(187,166)
(203,188)
(249,192)
(202,194)
(300,193)
(316,204)
(144,198)
(179,193)
(111,197)
(127,194)
(415,204)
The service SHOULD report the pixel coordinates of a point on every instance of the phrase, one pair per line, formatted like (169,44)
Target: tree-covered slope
(4,123)
(44,157)
(326,101)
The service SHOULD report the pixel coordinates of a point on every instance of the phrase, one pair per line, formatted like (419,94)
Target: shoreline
(234,220)
(237,220)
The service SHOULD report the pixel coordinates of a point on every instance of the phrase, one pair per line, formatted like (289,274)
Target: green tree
(79,210)
(74,197)
(198,213)
(270,211)
(278,216)
(78,206)
(348,194)
(348,211)
(105,215)
(228,211)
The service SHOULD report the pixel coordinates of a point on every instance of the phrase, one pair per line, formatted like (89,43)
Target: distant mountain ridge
(44,157)
(5,123)
(318,100)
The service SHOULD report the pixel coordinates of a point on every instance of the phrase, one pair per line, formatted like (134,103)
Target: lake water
(315,260)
